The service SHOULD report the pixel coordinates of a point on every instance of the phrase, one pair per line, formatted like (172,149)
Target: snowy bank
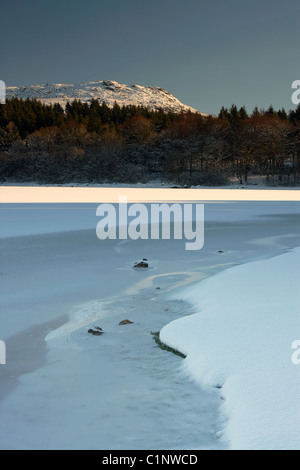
(240,340)
(111,194)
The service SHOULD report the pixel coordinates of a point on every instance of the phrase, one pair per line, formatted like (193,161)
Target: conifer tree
(295,115)
(233,114)
(282,114)
(255,112)
(271,111)
(243,113)
(223,114)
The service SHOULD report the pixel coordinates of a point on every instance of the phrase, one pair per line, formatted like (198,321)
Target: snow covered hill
(107,91)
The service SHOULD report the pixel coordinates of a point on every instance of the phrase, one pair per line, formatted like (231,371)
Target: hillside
(104,91)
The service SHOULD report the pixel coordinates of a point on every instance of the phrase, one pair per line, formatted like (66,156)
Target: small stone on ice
(141,264)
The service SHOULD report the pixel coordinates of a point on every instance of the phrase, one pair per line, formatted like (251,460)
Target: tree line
(91,142)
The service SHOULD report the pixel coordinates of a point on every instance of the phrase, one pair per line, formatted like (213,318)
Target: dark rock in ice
(96,332)
(141,264)
(126,322)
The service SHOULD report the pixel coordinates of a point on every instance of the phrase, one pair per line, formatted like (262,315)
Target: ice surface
(64,388)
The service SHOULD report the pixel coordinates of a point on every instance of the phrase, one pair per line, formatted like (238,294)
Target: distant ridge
(107,91)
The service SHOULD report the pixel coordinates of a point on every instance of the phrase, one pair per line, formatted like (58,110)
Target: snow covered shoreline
(240,341)
(118,391)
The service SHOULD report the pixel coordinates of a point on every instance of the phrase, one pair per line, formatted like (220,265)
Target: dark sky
(208,53)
